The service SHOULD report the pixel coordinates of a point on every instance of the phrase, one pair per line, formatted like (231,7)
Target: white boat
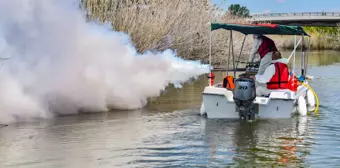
(241,101)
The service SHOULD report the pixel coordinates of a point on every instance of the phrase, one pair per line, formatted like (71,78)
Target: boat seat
(279,93)
(281,90)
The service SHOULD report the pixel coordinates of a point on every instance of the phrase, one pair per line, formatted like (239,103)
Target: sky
(278,6)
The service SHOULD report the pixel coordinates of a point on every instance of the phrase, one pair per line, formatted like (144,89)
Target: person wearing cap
(265,47)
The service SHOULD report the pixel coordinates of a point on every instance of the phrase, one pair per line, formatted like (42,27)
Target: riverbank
(322,38)
(184,27)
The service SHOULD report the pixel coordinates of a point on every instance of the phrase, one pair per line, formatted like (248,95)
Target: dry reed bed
(158,25)
(180,25)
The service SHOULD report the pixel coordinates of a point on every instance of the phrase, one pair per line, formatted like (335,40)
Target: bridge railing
(297,14)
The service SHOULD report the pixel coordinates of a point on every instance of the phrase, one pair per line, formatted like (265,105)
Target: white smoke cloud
(59,64)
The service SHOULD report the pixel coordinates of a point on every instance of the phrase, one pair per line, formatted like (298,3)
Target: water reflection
(324,58)
(315,58)
(261,143)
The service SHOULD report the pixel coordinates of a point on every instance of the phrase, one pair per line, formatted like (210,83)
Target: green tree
(238,10)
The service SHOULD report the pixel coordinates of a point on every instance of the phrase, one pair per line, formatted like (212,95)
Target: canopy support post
(229,51)
(210,34)
(302,57)
(293,70)
(232,53)
(294,50)
(308,52)
(239,56)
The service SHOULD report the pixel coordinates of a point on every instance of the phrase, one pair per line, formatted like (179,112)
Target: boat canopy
(270,29)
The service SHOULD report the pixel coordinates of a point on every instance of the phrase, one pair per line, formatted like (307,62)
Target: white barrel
(310,100)
(302,106)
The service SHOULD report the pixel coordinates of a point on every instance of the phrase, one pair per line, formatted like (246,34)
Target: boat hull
(218,103)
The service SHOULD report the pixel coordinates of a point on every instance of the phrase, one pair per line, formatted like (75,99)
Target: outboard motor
(244,96)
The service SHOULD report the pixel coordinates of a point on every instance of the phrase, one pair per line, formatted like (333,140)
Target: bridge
(299,19)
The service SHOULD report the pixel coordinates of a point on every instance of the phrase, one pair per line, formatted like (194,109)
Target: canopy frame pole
(308,53)
(302,57)
(229,51)
(210,34)
(294,58)
(294,50)
(239,56)
(232,52)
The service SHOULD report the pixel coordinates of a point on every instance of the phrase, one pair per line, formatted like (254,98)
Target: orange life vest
(228,82)
(267,45)
(280,78)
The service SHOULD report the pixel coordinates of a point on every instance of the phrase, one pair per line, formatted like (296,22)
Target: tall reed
(157,25)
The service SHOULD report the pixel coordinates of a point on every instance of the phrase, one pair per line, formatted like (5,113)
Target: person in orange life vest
(275,76)
(264,47)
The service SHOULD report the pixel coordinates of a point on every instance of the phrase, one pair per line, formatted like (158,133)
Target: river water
(169,132)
